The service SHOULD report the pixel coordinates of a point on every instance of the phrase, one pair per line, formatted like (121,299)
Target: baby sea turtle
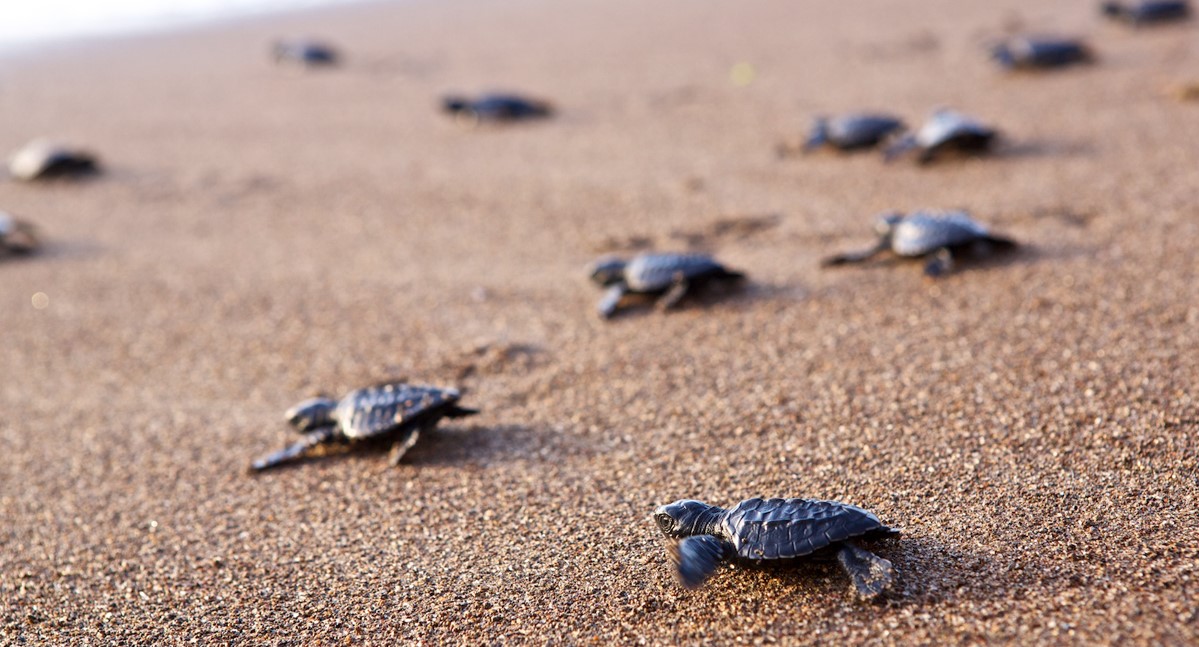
(1149,12)
(42,159)
(946,130)
(494,107)
(391,412)
(667,274)
(775,529)
(852,131)
(942,236)
(304,53)
(1034,53)
(16,236)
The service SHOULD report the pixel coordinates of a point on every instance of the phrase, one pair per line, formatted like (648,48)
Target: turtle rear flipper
(678,290)
(872,575)
(293,451)
(460,412)
(899,147)
(401,447)
(698,557)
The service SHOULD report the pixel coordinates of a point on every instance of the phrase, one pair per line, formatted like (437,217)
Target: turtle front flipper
(697,558)
(856,257)
(940,263)
(311,439)
(872,575)
(401,446)
(607,305)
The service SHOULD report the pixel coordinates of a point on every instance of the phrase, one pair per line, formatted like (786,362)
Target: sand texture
(262,235)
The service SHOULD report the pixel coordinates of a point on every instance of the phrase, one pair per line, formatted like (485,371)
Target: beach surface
(262,235)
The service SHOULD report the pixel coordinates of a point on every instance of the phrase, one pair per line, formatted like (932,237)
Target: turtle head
(885,225)
(686,518)
(608,270)
(454,104)
(311,414)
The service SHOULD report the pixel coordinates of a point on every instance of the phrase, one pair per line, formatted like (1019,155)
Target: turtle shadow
(1022,149)
(709,297)
(57,249)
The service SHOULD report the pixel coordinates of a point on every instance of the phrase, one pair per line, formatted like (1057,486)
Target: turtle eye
(665,523)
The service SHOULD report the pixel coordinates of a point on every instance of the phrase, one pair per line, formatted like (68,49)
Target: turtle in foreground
(668,275)
(494,108)
(305,53)
(42,159)
(942,237)
(851,132)
(16,236)
(391,412)
(776,529)
(945,131)
(1149,12)
(1035,53)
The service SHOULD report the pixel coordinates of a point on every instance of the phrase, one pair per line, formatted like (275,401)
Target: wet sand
(263,235)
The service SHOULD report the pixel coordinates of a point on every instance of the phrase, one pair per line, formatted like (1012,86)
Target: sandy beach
(262,235)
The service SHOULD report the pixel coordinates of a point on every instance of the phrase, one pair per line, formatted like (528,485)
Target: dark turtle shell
(657,271)
(922,232)
(376,410)
(789,528)
(852,131)
(1028,53)
(41,159)
(16,236)
(1148,12)
(304,52)
(496,107)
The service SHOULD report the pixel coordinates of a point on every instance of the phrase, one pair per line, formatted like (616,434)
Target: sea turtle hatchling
(851,132)
(669,275)
(1038,53)
(16,236)
(946,130)
(42,159)
(775,529)
(942,236)
(494,107)
(305,53)
(391,412)
(1148,12)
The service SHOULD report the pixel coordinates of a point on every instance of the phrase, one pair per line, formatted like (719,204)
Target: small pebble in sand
(1038,53)
(946,131)
(943,237)
(668,276)
(17,236)
(757,530)
(496,107)
(42,160)
(392,412)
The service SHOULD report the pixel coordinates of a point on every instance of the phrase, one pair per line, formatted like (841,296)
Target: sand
(263,235)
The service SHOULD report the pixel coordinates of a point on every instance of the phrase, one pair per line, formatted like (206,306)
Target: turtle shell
(788,528)
(376,410)
(919,233)
(43,159)
(861,130)
(655,272)
(1029,53)
(945,126)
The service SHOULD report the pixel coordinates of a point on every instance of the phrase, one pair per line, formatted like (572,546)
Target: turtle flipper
(697,557)
(899,147)
(676,292)
(818,137)
(460,412)
(855,257)
(940,263)
(611,299)
(872,575)
(295,450)
(401,447)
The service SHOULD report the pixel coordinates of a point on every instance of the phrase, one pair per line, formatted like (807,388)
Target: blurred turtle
(42,160)
(305,53)
(945,131)
(16,236)
(392,412)
(1036,53)
(851,132)
(668,275)
(941,236)
(494,108)
(1148,12)
(772,530)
